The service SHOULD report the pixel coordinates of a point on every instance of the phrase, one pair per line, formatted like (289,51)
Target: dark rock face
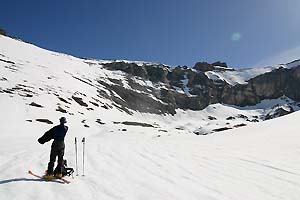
(60,109)
(47,121)
(197,90)
(63,100)
(220,64)
(35,105)
(270,85)
(79,101)
(278,113)
(203,66)
(239,125)
(157,74)
(221,129)
(175,77)
(154,73)
(212,118)
(136,101)
(230,118)
(137,124)
(2,32)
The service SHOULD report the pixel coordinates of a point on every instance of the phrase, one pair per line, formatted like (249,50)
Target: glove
(40,141)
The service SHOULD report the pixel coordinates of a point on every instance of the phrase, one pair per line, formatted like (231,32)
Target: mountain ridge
(123,89)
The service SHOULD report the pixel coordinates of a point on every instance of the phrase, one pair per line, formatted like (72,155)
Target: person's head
(62,120)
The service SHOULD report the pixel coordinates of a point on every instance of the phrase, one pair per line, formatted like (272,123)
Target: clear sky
(242,33)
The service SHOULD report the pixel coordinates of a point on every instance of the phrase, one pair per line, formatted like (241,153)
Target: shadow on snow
(27,180)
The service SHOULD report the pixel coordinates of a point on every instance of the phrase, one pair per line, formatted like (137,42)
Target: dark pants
(57,149)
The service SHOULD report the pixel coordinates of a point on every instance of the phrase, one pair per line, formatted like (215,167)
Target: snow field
(259,161)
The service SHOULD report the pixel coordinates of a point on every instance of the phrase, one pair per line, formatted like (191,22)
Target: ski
(57,180)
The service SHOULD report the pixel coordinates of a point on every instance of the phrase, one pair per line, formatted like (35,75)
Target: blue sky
(242,33)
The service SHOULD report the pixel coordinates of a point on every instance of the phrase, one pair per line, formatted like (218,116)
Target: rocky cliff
(192,88)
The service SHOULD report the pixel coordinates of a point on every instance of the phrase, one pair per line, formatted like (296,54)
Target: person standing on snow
(57,133)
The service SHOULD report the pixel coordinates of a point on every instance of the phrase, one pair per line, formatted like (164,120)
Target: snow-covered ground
(240,76)
(165,161)
(260,162)
(243,75)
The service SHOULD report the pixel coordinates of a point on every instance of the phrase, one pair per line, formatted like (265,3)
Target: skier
(57,133)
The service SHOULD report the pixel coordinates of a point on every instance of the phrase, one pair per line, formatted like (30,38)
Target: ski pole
(83,141)
(76,156)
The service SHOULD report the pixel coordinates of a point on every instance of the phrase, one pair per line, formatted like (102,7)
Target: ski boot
(58,176)
(48,176)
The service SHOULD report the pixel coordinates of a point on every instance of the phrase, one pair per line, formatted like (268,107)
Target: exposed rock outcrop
(270,85)
(203,66)
(188,88)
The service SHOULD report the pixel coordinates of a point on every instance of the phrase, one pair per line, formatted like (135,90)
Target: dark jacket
(57,133)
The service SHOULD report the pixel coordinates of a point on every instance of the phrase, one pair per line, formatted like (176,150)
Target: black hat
(63,120)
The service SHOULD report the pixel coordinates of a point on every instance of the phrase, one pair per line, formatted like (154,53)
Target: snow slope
(163,161)
(31,75)
(240,76)
(255,162)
